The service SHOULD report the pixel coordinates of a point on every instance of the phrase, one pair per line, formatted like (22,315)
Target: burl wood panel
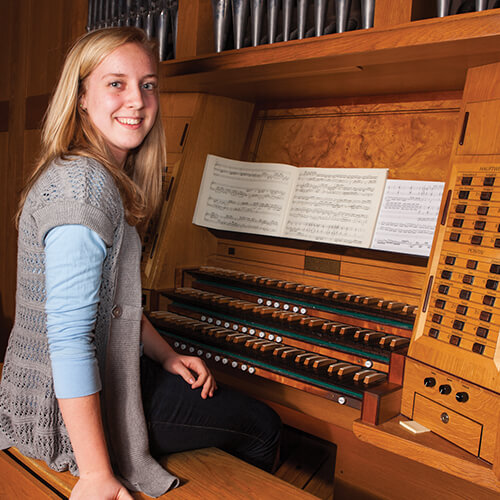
(413,139)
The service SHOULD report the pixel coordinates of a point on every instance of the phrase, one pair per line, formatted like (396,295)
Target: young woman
(88,384)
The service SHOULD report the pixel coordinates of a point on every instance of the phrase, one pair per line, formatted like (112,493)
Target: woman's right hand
(103,488)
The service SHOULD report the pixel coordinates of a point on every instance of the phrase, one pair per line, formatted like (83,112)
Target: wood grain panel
(412,142)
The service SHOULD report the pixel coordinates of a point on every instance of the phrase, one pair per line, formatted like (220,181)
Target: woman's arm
(82,417)
(73,266)
(192,369)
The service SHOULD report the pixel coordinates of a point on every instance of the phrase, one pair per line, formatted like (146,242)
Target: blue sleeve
(74,255)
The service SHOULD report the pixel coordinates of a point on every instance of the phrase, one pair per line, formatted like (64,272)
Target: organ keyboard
(345,347)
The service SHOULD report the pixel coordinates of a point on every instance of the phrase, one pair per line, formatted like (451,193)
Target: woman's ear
(83,103)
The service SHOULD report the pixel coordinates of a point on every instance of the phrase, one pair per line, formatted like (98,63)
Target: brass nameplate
(322,265)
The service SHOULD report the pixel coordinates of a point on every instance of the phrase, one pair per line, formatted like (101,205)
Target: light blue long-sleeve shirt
(74,256)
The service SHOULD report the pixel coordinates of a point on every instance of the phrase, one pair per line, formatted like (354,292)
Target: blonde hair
(67,129)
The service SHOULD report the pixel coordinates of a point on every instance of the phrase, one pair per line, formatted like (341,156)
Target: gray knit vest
(79,190)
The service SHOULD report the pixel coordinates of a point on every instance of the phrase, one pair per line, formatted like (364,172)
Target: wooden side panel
(219,126)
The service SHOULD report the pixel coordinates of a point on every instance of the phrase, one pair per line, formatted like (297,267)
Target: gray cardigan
(79,190)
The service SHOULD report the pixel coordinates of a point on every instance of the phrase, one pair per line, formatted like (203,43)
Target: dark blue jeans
(179,419)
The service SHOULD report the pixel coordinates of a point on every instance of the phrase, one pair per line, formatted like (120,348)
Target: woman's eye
(149,86)
(115,85)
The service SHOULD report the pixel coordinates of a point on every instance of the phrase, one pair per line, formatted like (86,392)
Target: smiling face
(121,98)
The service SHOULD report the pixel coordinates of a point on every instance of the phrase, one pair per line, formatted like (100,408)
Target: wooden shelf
(428,449)
(427,55)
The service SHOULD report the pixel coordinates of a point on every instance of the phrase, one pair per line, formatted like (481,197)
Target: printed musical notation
(331,205)
(336,205)
(408,216)
(244,197)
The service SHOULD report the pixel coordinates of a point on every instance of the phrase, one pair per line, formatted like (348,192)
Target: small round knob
(462,397)
(429,382)
(445,418)
(445,389)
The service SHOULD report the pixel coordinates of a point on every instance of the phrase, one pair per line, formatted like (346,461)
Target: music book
(330,205)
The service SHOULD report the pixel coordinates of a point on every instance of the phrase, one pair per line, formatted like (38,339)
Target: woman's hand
(193,370)
(106,487)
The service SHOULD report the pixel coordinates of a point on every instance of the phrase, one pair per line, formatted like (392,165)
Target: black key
(461,309)
(476,240)
(471,264)
(450,261)
(458,222)
(460,209)
(481,210)
(489,181)
(480,224)
(463,195)
(465,294)
(458,325)
(486,196)
(455,340)
(468,279)
(466,181)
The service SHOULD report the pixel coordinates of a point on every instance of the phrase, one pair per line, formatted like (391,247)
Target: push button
(471,264)
(443,289)
(480,224)
(434,333)
(461,309)
(468,279)
(466,181)
(458,222)
(450,261)
(495,268)
(446,275)
(436,318)
(485,316)
(463,195)
(482,332)
(491,284)
(440,303)
(455,340)
(460,209)
(478,348)
(454,236)
(486,196)
(482,210)
(116,312)
(457,325)
(476,240)
(489,181)
(465,294)
(489,300)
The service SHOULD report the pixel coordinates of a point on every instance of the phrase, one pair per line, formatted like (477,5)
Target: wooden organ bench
(208,473)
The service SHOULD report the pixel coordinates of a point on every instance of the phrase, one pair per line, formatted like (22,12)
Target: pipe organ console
(337,338)
(345,347)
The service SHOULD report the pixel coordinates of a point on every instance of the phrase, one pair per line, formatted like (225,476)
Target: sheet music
(244,197)
(408,216)
(336,205)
